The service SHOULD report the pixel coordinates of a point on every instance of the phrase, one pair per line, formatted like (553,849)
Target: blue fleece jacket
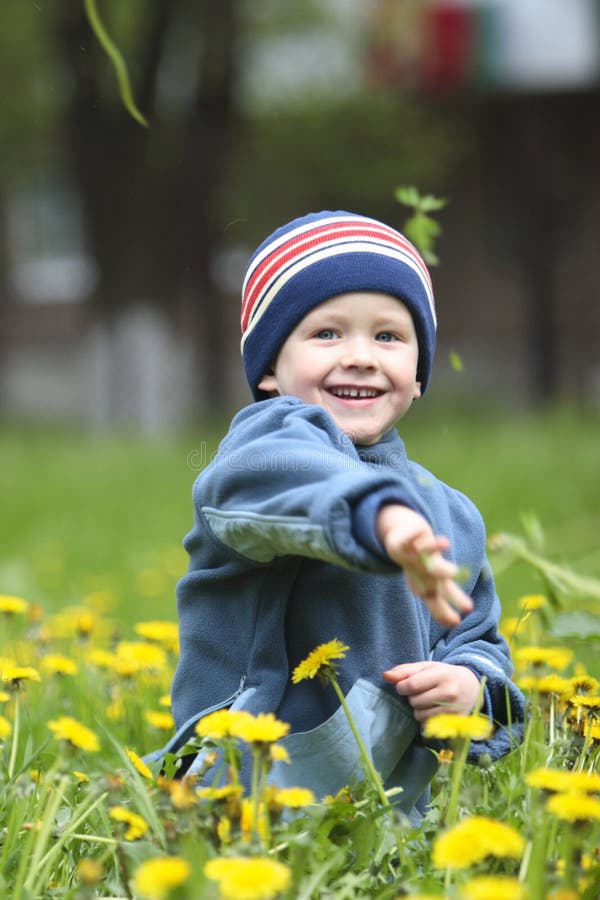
(284,556)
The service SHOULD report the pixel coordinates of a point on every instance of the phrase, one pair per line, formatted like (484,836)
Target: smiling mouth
(355,393)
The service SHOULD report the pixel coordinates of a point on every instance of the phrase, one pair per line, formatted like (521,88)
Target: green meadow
(90,551)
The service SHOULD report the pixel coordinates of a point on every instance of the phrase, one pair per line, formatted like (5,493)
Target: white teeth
(355,392)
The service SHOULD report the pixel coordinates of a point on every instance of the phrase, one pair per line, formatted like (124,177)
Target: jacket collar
(389,451)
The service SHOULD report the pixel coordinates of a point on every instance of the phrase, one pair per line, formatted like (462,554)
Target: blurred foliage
(329,156)
(33,88)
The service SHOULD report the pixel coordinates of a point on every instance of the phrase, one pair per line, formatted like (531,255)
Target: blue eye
(326,334)
(386,336)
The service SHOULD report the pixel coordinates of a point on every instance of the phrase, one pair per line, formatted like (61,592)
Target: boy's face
(355,355)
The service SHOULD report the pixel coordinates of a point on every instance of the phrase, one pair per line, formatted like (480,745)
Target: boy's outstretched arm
(410,542)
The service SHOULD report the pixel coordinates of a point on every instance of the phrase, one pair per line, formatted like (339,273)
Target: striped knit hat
(317,257)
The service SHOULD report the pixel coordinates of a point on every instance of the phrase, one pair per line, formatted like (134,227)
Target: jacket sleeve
(477,644)
(286,480)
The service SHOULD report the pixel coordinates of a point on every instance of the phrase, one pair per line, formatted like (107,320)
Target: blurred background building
(122,247)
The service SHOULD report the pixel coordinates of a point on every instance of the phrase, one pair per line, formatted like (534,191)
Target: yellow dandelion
(527,683)
(165,633)
(553,657)
(14,675)
(56,664)
(492,887)
(531,602)
(294,797)
(319,661)
(261,729)
(85,622)
(74,733)
(278,753)
(563,780)
(252,819)
(75,621)
(137,826)
(585,684)
(159,719)
(584,701)
(82,777)
(472,840)
(591,730)
(101,659)
(165,700)
(454,725)
(511,625)
(224,829)
(156,878)
(36,777)
(116,710)
(445,756)
(574,807)
(182,791)
(219,724)
(5,728)
(90,871)
(141,656)
(554,684)
(4,696)
(256,878)
(224,792)
(139,764)
(12,606)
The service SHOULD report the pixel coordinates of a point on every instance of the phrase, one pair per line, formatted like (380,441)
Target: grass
(83,512)
(91,533)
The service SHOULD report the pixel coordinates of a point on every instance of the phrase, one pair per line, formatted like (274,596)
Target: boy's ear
(268,383)
(417,391)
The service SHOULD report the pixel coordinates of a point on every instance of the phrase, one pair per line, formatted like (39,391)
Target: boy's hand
(435,687)
(409,541)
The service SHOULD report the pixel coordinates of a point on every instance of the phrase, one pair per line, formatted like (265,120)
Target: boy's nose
(359,355)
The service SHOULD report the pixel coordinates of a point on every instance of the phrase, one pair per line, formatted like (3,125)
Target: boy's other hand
(435,687)
(409,541)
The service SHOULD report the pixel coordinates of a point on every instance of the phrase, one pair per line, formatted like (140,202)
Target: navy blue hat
(317,257)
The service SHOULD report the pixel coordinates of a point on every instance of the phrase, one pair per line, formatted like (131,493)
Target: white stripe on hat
(282,276)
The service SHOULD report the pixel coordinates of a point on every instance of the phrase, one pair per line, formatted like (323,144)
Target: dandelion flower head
(156,878)
(319,661)
(472,840)
(563,780)
(137,826)
(5,728)
(139,764)
(492,887)
(256,878)
(553,657)
(65,728)
(261,729)
(11,606)
(574,807)
(454,725)
(294,797)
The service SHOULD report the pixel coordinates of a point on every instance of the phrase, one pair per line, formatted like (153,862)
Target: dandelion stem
(461,750)
(370,770)
(15,741)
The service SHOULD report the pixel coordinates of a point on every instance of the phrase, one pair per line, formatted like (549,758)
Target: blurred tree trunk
(148,194)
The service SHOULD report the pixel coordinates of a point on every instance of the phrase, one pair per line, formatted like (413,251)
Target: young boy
(312,524)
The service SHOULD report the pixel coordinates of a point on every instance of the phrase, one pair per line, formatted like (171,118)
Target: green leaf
(408,196)
(575,624)
(115,56)
(455,361)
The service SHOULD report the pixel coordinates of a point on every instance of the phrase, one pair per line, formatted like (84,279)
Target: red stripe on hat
(331,232)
